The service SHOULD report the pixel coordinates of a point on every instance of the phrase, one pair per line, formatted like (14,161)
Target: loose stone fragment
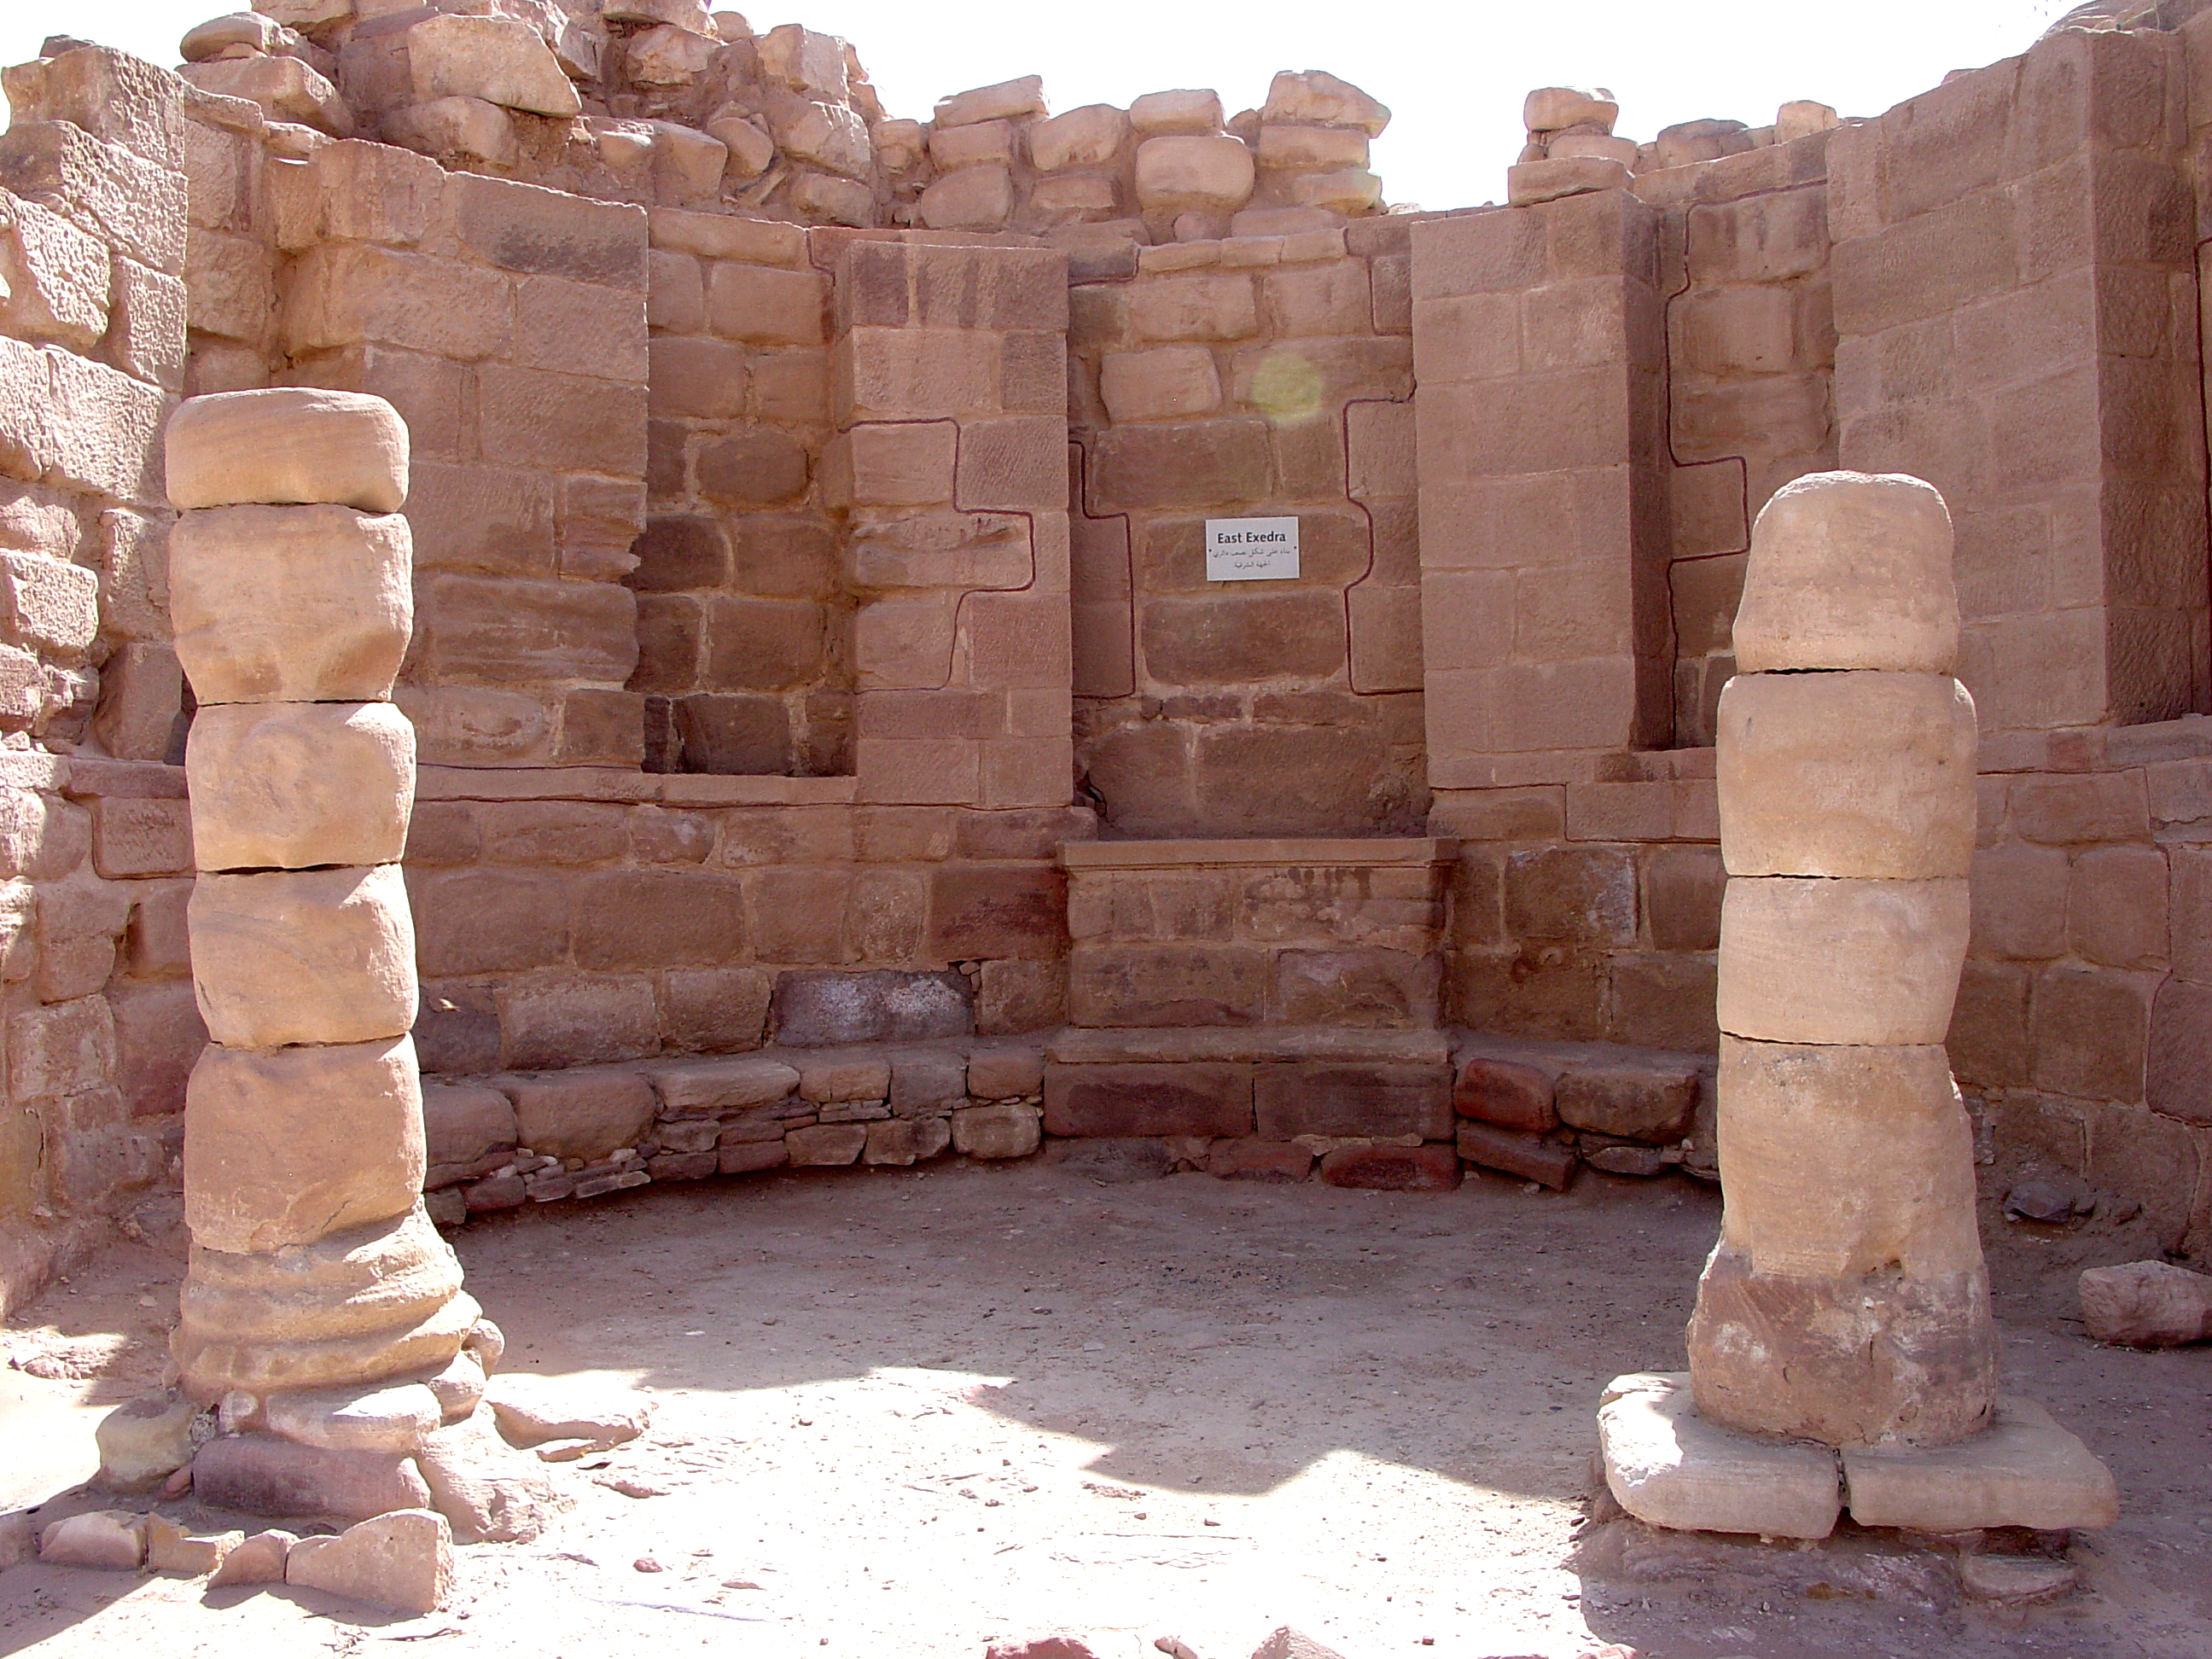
(531,1408)
(170,1548)
(259,1559)
(144,1442)
(2147,1304)
(486,1489)
(112,1540)
(402,1560)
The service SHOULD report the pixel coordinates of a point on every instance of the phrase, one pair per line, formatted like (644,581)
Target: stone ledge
(1186,854)
(1180,1045)
(606,783)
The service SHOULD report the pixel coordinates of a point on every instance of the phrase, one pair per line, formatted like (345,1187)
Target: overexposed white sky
(1452,71)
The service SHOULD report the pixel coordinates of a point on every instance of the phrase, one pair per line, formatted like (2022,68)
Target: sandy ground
(904,1412)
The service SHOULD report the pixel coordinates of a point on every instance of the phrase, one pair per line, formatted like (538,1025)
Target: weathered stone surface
(584,1113)
(111,1540)
(1185,110)
(403,1561)
(532,1409)
(1290,1100)
(289,1146)
(293,786)
(1006,1129)
(1793,1117)
(303,957)
(387,1419)
(1647,1102)
(290,604)
(2022,1471)
(1553,177)
(2147,1304)
(904,1142)
(1120,1102)
(1006,1074)
(1085,137)
(1517,1153)
(144,1440)
(485,1488)
(259,1475)
(1667,1466)
(1849,570)
(456,129)
(1392,1168)
(382,1301)
(1853,1360)
(288,444)
(826,1145)
(721,1085)
(825,1008)
(1867,774)
(1841,962)
(500,60)
(1249,1158)
(1316,98)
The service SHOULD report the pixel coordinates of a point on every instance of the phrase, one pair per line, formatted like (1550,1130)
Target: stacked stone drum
(1847,1302)
(320,1310)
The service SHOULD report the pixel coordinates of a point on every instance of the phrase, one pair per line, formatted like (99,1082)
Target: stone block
(1193,173)
(1506,1093)
(310,604)
(1848,774)
(2065,810)
(1290,1101)
(467,1129)
(111,1540)
(1087,137)
(259,1475)
(259,1559)
(1018,464)
(1376,989)
(563,422)
(657,918)
(500,60)
(396,1418)
(754,466)
(692,1086)
(1196,306)
(584,1112)
(286,445)
(2024,1470)
(289,1146)
(825,1144)
(764,307)
(1650,1103)
(1125,1101)
(974,198)
(1392,1168)
(2090,1027)
(1586,893)
(1670,1467)
(1849,570)
(137,836)
(1841,962)
(286,88)
(486,631)
(820,1008)
(293,786)
(1180,111)
(1515,1152)
(905,1141)
(2116,908)
(1003,1130)
(303,957)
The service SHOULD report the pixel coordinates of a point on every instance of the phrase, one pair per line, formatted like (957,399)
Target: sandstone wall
(1249,377)
(92,346)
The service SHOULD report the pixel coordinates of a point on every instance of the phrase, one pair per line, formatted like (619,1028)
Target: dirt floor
(905,1412)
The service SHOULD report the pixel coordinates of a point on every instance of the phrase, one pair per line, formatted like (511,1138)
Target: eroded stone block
(1667,1466)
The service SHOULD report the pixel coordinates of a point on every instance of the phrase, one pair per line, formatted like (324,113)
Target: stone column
(1842,1354)
(1846,1302)
(321,1311)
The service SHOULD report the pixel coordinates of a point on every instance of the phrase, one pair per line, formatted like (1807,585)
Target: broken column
(321,1313)
(1846,1305)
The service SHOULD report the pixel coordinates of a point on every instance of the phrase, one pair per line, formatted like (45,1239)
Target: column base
(1669,1466)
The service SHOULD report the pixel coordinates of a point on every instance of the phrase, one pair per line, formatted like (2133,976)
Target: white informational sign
(1251,550)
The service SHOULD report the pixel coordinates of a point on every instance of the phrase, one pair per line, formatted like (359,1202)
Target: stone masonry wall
(1254,376)
(92,346)
(744,622)
(2084,1023)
